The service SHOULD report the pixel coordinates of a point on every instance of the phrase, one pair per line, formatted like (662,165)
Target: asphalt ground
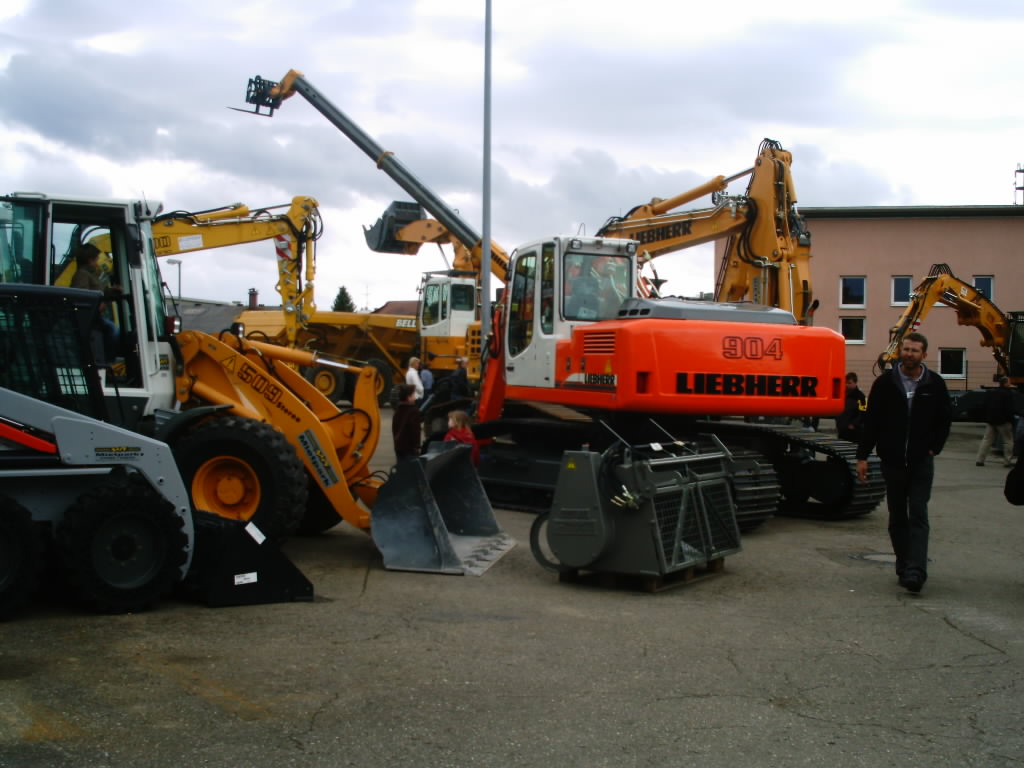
(802,651)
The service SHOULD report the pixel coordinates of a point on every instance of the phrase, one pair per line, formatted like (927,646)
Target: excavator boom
(767,252)
(973,308)
(264,94)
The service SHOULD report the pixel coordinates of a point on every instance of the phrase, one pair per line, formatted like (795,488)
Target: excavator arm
(294,232)
(972,308)
(767,255)
(268,95)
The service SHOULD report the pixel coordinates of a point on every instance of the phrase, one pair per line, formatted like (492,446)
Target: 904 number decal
(751,348)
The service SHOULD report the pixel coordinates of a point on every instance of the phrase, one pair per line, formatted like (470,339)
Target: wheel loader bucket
(433,515)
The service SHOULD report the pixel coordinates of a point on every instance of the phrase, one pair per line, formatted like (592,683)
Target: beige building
(867,261)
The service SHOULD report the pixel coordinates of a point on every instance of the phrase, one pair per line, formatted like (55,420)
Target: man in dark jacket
(848,423)
(907,420)
(999,417)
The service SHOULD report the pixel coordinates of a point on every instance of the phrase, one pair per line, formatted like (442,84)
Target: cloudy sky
(597,107)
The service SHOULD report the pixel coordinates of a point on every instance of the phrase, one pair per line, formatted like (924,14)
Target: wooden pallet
(644,582)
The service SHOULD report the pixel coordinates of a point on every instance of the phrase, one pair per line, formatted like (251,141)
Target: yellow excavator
(767,254)
(1001,332)
(381,341)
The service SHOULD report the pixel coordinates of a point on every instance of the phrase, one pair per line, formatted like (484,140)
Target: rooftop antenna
(1018,185)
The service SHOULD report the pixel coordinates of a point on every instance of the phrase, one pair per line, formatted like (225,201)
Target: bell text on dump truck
(579,362)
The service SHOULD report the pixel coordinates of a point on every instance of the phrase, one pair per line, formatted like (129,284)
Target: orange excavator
(578,377)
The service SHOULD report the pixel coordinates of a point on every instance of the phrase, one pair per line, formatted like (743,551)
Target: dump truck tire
(122,545)
(333,383)
(21,556)
(242,469)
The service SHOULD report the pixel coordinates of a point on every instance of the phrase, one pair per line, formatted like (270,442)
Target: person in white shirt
(412,377)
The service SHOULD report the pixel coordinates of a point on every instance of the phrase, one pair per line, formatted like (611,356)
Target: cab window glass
(520,316)
(463,298)
(594,286)
(547,288)
(431,304)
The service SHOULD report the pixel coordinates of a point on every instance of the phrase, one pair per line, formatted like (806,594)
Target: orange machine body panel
(697,367)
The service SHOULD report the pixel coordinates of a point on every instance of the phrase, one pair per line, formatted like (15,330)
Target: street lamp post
(177,263)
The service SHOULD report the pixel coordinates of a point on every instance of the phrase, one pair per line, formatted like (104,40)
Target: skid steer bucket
(433,515)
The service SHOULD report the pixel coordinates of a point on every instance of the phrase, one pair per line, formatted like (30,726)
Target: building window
(851,291)
(901,289)
(953,363)
(984,285)
(853,329)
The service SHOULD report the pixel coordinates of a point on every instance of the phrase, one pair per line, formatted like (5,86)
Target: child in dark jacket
(460,431)
(406,424)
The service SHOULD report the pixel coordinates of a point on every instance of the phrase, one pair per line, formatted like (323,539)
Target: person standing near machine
(999,418)
(406,424)
(412,377)
(908,420)
(849,424)
(427,379)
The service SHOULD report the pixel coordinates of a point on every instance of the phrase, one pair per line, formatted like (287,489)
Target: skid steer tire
(386,381)
(242,469)
(122,545)
(21,556)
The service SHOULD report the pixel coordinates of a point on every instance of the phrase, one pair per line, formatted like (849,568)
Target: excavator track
(817,472)
(755,489)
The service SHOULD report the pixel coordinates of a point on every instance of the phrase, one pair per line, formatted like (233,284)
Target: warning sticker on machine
(118,453)
(315,453)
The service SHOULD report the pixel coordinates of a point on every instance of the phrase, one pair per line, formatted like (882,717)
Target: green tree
(343,302)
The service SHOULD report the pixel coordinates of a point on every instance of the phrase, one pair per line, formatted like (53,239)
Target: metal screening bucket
(433,515)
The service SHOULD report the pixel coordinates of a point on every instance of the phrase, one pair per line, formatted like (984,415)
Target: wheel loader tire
(242,469)
(320,515)
(386,381)
(21,556)
(122,545)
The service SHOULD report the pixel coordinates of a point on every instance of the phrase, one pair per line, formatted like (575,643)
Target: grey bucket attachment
(433,515)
